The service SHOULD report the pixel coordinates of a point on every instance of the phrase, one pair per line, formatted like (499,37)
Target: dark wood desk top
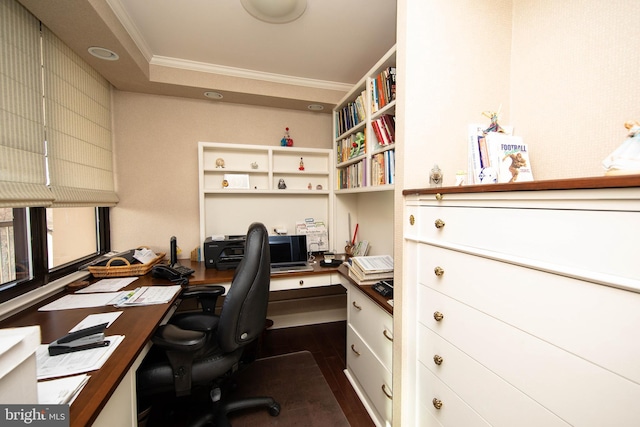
(368,291)
(137,324)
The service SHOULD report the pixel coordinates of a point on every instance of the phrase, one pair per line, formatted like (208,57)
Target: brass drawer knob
(437,403)
(438,316)
(301,282)
(437,359)
(439,223)
(412,219)
(438,196)
(439,271)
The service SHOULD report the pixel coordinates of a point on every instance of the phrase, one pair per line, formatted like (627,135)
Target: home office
(566,78)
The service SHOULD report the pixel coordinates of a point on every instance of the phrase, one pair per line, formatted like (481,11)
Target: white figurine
(626,158)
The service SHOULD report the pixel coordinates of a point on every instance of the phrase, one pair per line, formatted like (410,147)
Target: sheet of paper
(108,285)
(150,295)
(61,390)
(81,301)
(96,319)
(144,255)
(77,362)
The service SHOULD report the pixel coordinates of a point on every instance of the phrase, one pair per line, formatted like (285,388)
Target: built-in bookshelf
(364,131)
(276,185)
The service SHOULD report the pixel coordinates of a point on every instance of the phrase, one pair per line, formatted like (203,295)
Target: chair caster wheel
(274,410)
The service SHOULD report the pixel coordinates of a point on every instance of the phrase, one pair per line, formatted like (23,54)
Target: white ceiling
(172,46)
(333,41)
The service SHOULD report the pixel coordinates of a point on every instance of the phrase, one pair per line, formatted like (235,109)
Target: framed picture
(236,181)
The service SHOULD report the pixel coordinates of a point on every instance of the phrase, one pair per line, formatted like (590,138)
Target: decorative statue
(220,162)
(301,167)
(281,184)
(286,140)
(626,158)
(435,178)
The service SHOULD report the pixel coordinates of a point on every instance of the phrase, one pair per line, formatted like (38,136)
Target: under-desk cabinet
(369,353)
(524,308)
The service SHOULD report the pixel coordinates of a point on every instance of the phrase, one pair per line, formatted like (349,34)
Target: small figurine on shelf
(219,162)
(435,178)
(626,158)
(286,140)
(301,167)
(254,165)
(494,126)
(309,186)
(282,185)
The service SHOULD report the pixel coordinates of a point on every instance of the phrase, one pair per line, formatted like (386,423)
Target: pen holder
(348,251)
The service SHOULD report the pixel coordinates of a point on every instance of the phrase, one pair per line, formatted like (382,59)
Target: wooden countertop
(367,290)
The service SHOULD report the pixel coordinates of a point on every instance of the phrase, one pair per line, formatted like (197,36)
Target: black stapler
(83,339)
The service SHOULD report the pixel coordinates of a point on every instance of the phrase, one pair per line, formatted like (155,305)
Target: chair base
(218,417)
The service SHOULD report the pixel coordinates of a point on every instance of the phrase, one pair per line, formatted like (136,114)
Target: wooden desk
(114,383)
(137,324)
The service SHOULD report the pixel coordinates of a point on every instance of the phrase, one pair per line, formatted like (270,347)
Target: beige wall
(156,159)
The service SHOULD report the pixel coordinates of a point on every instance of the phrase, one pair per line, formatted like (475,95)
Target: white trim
(184,64)
(23,301)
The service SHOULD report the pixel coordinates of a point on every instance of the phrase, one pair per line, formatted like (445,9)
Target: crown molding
(247,74)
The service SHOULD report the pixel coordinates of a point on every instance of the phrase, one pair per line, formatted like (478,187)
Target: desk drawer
(372,376)
(495,400)
(572,242)
(454,412)
(302,281)
(543,305)
(567,385)
(372,323)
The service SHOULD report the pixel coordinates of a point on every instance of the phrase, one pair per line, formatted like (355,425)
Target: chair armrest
(173,338)
(206,295)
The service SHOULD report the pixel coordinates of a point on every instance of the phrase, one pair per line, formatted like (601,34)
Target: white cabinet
(525,310)
(369,354)
(239,184)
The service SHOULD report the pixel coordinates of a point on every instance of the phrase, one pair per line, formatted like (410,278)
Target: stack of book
(369,270)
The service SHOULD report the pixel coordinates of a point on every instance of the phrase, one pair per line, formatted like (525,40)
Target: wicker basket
(127,270)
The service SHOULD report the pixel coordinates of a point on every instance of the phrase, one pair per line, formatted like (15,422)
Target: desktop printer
(224,254)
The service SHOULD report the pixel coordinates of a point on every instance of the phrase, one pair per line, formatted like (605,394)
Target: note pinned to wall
(316,232)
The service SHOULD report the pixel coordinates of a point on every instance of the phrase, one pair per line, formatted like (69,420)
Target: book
(511,157)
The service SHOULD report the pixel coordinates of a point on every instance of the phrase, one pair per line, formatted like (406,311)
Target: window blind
(22,150)
(78,128)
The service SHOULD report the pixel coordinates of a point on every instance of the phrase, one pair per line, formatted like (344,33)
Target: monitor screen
(288,249)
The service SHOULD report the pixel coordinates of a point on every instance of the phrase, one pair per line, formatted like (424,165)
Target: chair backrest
(244,310)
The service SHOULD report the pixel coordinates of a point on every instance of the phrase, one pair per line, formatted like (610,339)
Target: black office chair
(203,350)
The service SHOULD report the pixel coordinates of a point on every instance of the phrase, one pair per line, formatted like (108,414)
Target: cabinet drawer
(302,281)
(373,324)
(495,400)
(574,389)
(371,375)
(595,322)
(575,238)
(454,412)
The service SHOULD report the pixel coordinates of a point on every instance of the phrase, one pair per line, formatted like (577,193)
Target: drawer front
(569,386)
(495,400)
(595,322)
(374,378)
(373,324)
(454,412)
(301,282)
(572,238)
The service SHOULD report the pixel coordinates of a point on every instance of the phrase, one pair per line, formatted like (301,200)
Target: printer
(224,254)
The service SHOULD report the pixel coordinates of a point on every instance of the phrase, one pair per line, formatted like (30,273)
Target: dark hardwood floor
(327,343)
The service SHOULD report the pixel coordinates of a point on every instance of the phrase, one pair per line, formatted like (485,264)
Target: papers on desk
(97,319)
(149,295)
(108,285)
(146,295)
(74,363)
(62,390)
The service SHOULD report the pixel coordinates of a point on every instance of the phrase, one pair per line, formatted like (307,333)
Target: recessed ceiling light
(213,95)
(102,53)
(275,11)
(315,107)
